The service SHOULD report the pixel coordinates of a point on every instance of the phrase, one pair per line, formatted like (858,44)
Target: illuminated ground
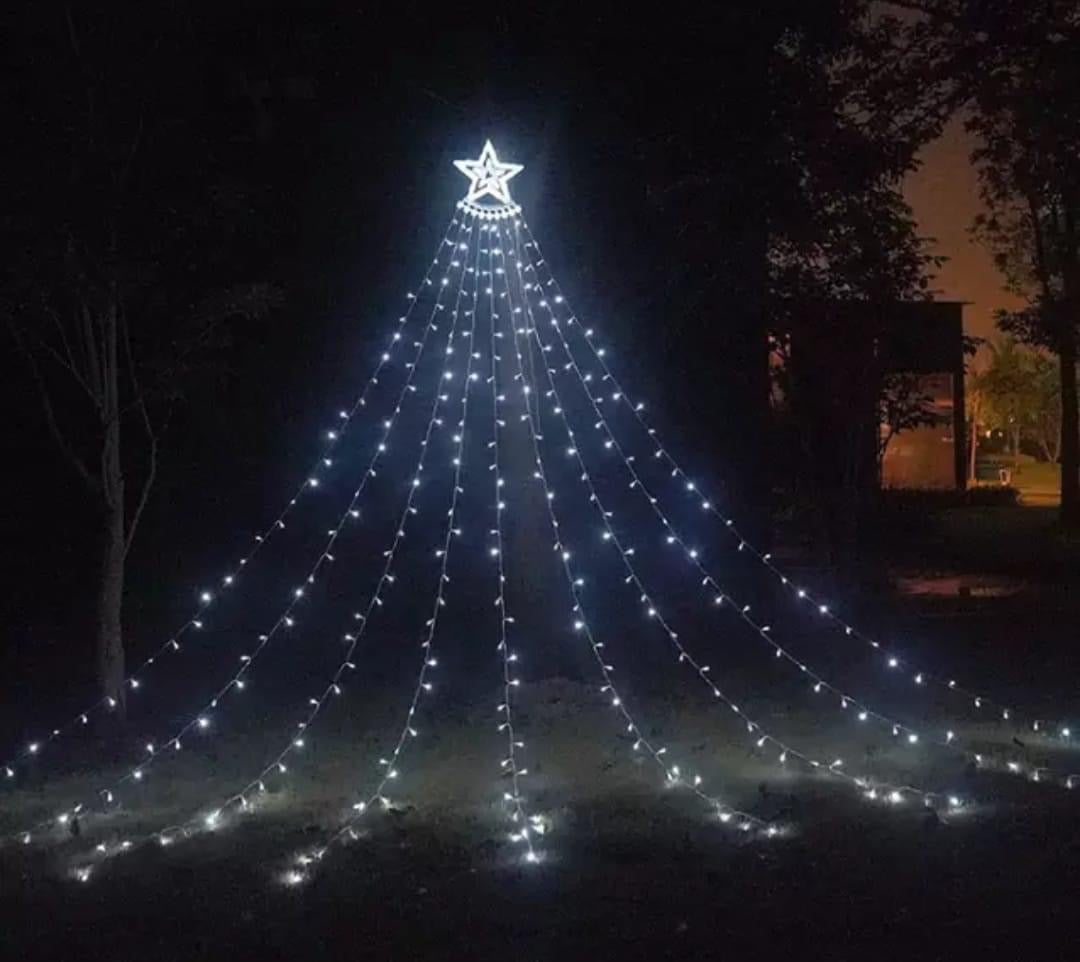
(630,869)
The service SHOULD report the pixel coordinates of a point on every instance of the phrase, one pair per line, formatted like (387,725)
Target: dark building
(833,370)
(927,343)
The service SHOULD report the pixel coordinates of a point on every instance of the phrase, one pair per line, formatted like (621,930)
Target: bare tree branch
(151,434)
(111,477)
(62,443)
(67,360)
(93,364)
(125,170)
(148,483)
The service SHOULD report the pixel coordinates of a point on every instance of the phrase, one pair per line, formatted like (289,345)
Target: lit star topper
(488,177)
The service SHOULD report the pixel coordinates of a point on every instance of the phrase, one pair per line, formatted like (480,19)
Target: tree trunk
(1070,414)
(1070,429)
(110,645)
(974,452)
(110,641)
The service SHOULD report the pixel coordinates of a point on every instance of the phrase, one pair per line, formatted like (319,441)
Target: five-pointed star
(488,175)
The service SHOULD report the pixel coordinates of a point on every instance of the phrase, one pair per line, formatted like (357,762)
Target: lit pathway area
(1039,482)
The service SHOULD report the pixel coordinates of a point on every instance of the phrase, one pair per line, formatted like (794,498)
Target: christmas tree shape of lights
(516,370)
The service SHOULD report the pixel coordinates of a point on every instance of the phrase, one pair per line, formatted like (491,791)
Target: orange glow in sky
(944,195)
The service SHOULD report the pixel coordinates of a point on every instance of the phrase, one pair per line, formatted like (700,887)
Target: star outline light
(489,177)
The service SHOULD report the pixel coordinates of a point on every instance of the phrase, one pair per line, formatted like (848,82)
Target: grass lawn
(1039,482)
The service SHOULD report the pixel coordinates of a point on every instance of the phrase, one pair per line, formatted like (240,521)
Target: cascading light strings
(347,831)
(673,773)
(893,661)
(490,219)
(651,611)
(132,683)
(514,745)
(258,785)
(334,686)
(524,826)
(856,705)
(201,721)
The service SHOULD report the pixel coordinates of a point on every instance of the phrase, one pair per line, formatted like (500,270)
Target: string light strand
(510,682)
(673,773)
(719,596)
(651,609)
(132,683)
(377,796)
(201,721)
(893,661)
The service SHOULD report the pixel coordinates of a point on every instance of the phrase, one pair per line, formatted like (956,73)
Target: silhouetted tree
(1046,415)
(116,301)
(903,405)
(1015,68)
(1007,391)
(778,173)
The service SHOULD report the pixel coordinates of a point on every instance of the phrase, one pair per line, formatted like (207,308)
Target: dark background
(308,146)
(335,126)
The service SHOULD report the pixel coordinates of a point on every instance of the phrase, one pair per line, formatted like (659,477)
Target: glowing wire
(919,678)
(200,719)
(653,613)
(211,820)
(673,773)
(510,762)
(661,452)
(452,531)
(717,594)
(428,661)
(312,477)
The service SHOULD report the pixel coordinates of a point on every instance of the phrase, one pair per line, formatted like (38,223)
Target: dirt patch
(631,864)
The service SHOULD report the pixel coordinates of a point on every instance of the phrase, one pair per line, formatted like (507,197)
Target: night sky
(944,196)
(493,544)
(346,121)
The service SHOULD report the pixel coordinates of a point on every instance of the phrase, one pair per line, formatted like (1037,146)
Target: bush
(927,502)
(991,496)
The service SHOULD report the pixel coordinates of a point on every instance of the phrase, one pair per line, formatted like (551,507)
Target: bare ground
(630,868)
